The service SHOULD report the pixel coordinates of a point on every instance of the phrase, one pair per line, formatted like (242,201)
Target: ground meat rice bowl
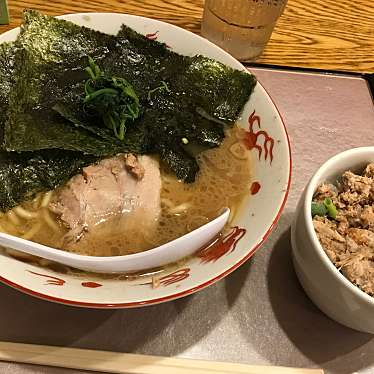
(343,218)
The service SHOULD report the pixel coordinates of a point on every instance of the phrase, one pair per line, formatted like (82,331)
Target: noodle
(31,233)
(180,208)
(49,220)
(36,201)
(13,218)
(46,199)
(23,213)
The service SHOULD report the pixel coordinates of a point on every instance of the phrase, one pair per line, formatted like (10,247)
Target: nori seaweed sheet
(7,54)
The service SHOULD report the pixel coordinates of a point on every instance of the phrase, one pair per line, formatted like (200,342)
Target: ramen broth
(223,181)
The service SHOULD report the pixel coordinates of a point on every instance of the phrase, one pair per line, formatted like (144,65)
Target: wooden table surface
(324,34)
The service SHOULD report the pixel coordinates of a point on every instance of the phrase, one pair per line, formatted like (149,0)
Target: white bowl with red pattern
(268,146)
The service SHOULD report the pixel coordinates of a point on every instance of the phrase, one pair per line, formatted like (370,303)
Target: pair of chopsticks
(112,362)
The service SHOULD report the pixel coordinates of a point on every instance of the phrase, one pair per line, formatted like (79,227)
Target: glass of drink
(241,27)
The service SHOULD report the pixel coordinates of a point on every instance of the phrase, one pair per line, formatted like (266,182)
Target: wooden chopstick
(112,362)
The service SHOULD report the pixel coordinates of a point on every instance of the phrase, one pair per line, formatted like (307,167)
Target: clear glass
(241,27)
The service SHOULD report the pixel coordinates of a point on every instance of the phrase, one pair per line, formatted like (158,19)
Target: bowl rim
(308,196)
(202,285)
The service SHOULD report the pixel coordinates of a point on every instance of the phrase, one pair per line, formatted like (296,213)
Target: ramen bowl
(268,150)
(327,287)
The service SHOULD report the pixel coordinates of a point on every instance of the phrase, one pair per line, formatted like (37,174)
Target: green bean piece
(331,208)
(318,209)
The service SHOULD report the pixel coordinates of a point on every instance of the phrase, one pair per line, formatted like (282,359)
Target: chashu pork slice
(116,198)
